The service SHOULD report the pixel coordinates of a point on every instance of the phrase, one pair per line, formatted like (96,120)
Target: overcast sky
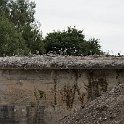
(102,19)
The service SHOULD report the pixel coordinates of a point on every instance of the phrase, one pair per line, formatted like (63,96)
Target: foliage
(71,42)
(20,14)
(33,39)
(94,47)
(4,7)
(23,35)
(11,41)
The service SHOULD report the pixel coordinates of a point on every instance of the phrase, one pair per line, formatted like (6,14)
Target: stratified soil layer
(107,109)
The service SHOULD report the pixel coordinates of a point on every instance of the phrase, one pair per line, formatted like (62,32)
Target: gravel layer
(107,109)
(62,62)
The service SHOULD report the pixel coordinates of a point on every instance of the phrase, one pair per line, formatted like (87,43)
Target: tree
(71,42)
(3,7)
(33,39)
(94,47)
(21,14)
(11,41)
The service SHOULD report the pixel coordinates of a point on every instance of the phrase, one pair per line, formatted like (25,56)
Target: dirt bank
(107,109)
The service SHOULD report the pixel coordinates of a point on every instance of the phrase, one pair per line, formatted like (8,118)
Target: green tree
(33,39)
(4,7)
(94,47)
(71,42)
(21,14)
(11,41)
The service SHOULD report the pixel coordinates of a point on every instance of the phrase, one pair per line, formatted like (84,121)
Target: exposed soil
(107,109)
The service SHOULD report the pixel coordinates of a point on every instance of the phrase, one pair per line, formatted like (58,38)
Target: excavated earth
(107,109)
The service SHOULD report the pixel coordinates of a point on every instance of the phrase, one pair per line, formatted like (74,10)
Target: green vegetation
(11,41)
(71,42)
(20,34)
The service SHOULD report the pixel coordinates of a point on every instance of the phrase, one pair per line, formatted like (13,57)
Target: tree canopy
(11,41)
(20,15)
(20,34)
(71,42)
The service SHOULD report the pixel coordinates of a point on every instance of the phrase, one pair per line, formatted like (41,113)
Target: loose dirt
(107,109)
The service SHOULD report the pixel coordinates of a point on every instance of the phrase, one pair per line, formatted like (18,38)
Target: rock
(107,109)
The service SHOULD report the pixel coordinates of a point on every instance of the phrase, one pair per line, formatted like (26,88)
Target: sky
(102,19)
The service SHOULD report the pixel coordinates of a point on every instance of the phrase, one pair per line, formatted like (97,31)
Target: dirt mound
(107,109)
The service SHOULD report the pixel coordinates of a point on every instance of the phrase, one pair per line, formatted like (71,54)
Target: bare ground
(107,109)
